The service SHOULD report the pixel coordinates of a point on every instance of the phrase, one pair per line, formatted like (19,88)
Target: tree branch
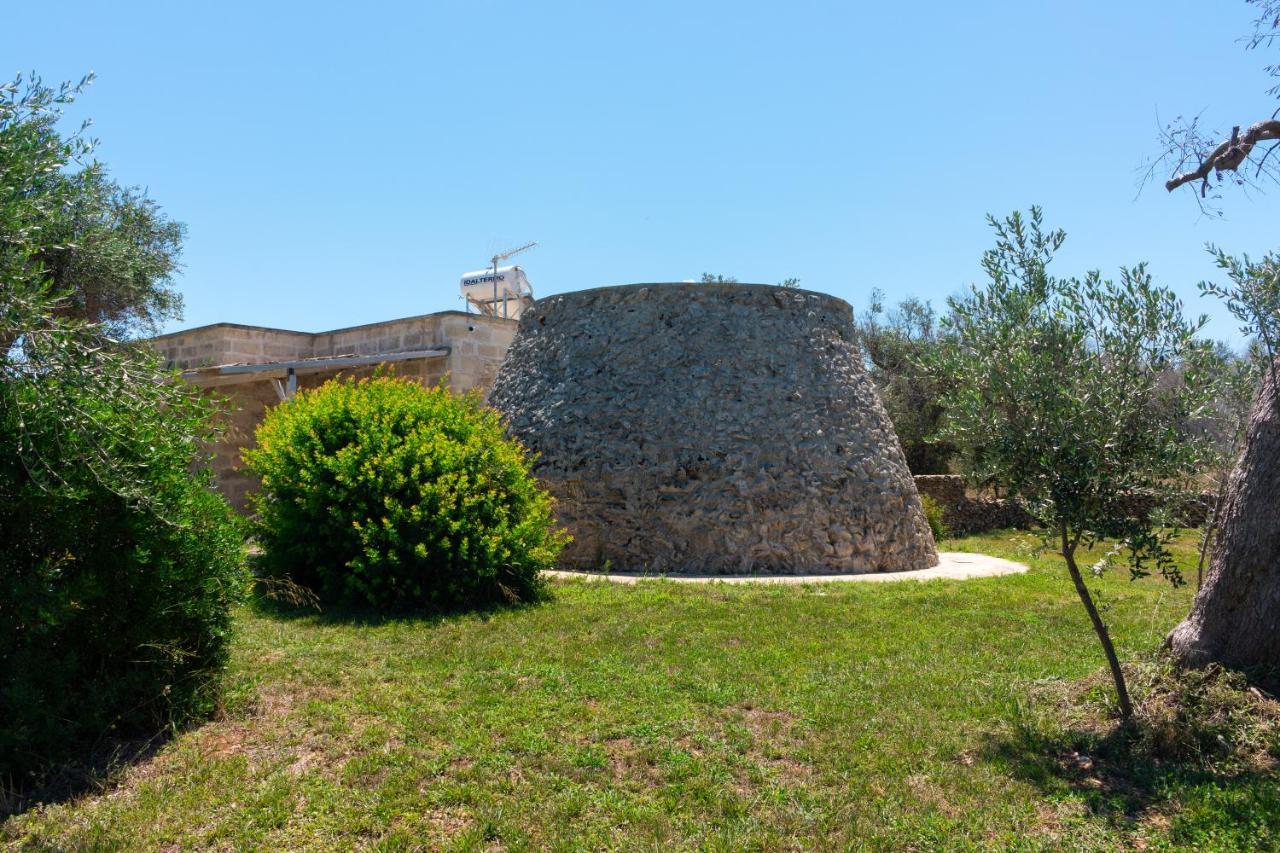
(1230,154)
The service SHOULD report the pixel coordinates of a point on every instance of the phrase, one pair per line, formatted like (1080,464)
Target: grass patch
(670,715)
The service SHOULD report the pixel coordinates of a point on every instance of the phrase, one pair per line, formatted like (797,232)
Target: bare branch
(1263,161)
(1228,156)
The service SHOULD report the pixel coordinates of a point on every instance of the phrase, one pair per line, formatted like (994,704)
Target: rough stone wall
(964,515)
(476,344)
(711,429)
(947,489)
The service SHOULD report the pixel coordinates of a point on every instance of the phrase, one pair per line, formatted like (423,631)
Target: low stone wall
(947,490)
(964,515)
(1191,512)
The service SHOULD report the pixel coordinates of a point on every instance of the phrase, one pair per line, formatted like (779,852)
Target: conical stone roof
(711,428)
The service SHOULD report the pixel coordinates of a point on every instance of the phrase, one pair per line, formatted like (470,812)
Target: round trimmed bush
(387,493)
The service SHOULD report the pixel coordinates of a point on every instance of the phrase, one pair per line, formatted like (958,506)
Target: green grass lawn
(664,716)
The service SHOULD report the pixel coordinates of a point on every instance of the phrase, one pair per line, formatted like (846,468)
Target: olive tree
(1068,388)
(109,252)
(119,567)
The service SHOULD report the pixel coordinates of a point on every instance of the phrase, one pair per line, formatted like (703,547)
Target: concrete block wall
(477,345)
(231,343)
(476,350)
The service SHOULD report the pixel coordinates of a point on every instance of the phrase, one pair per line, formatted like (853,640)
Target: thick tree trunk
(1235,619)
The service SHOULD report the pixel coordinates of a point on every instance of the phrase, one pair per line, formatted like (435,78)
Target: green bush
(383,492)
(933,512)
(118,566)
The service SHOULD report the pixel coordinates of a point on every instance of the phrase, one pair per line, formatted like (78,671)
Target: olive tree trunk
(1100,628)
(1235,619)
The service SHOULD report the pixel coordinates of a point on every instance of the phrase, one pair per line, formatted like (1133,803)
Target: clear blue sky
(342,164)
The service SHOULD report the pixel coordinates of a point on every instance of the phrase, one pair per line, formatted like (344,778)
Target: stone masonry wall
(964,515)
(711,429)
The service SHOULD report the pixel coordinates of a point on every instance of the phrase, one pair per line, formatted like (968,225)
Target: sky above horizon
(338,165)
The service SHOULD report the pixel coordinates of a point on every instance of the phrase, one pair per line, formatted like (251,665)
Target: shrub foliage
(933,512)
(383,492)
(118,566)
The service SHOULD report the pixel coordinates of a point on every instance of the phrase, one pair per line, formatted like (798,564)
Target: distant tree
(1195,155)
(114,252)
(709,278)
(1235,379)
(898,347)
(108,251)
(1063,385)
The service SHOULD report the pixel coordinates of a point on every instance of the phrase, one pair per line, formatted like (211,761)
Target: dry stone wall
(711,429)
(963,515)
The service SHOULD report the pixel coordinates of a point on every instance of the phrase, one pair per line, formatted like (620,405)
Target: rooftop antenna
(480,288)
(502,256)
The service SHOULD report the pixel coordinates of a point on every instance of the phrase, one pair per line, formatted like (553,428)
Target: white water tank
(504,292)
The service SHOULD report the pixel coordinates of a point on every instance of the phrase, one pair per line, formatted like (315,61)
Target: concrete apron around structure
(952,565)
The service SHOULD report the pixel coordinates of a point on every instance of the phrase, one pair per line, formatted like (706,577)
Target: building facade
(252,368)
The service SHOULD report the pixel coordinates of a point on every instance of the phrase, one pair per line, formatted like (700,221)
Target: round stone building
(711,429)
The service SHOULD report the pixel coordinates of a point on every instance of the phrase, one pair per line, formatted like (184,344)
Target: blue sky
(342,164)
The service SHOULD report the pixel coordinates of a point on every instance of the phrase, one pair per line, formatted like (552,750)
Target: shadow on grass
(1201,759)
(1116,777)
(95,773)
(297,603)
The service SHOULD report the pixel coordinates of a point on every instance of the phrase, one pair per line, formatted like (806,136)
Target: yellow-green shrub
(933,512)
(383,492)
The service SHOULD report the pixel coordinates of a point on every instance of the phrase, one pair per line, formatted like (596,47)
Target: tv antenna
(481,288)
(510,253)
